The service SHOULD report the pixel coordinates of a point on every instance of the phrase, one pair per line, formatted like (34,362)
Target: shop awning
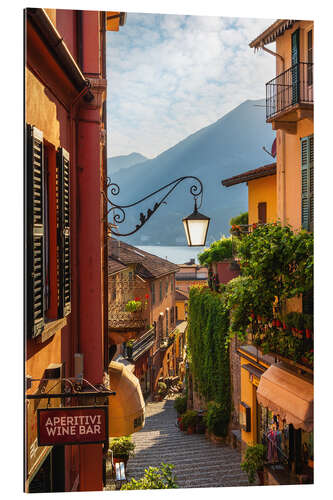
(127,407)
(288,395)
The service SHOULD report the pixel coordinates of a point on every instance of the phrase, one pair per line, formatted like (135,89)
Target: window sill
(50,329)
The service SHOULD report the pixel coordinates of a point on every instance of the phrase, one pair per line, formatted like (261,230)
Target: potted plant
(189,419)
(180,404)
(154,478)
(216,420)
(254,463)
(133,305)
(122,449)
(308,324)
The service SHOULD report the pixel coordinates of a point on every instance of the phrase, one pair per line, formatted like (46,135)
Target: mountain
(231,145)
(116,163)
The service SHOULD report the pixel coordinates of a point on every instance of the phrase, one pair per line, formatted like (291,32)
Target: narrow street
(198,462)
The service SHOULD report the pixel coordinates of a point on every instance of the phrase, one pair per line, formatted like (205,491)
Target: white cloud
(169,76)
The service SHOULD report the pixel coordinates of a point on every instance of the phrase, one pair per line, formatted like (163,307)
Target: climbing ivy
(207,330)
(276,264)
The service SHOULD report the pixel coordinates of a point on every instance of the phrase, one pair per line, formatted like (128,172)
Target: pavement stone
(199,463)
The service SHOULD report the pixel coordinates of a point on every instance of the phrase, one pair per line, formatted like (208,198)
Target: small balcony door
(295,66)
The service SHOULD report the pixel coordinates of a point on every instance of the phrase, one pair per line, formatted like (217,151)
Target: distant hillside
(116,163)
(229,146)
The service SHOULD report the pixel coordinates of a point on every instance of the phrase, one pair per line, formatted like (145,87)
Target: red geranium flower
(147,296)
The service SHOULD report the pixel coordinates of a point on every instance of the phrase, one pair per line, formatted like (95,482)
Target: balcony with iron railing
(289,97)
(122,320)
(137,348)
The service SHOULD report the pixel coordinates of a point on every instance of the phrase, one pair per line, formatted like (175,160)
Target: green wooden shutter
(295,66)
(63,165)
(307,182)
(311,182)
(35,267)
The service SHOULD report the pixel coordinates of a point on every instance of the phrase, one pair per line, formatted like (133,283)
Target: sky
(171,75)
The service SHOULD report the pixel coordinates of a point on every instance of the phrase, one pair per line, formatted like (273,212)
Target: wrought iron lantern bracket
(119,211)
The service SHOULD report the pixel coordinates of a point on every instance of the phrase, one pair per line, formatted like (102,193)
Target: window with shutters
(307,163)
(47,227)
(262,212)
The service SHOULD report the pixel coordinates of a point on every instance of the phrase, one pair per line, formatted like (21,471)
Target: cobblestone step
(199,463)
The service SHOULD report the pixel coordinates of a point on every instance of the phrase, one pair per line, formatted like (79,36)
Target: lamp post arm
(119,214)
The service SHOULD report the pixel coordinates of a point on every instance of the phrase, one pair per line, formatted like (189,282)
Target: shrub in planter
(217,419)
(180,404)
(253,461)
(155,478)
(189,419)
(122,447)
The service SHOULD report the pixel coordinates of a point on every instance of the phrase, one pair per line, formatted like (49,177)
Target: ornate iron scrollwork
(118,212)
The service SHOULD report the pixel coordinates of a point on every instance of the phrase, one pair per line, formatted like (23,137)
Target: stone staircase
(199,463)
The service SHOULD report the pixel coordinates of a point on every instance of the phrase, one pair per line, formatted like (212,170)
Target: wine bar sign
(75,425)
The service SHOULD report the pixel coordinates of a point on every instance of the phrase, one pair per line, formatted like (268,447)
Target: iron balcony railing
(142,345)
(293,86)
(122,320)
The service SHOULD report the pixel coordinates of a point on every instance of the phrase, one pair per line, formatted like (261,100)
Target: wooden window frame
(47,221)
(262,209)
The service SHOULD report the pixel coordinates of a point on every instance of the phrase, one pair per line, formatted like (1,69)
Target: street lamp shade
(196,227)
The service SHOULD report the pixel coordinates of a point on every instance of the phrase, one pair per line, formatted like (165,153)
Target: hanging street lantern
(196,224)
(196,227)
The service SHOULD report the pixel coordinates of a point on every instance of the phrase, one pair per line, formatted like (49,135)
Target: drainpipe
(274,54)
(75,291)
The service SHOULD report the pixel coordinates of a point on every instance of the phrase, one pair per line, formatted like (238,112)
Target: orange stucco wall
(289,145)
(39,356)
(283,45)
(262,190)
(289,165)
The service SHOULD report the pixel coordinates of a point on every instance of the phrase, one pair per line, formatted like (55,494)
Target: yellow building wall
(249,396)
(180,304)
(41,111)
(262,190)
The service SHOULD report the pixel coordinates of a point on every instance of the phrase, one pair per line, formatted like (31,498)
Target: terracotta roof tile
(148,266)
(114,266)
(250,175)
(272,32)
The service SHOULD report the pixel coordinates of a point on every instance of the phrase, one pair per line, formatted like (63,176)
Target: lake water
(175,254)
